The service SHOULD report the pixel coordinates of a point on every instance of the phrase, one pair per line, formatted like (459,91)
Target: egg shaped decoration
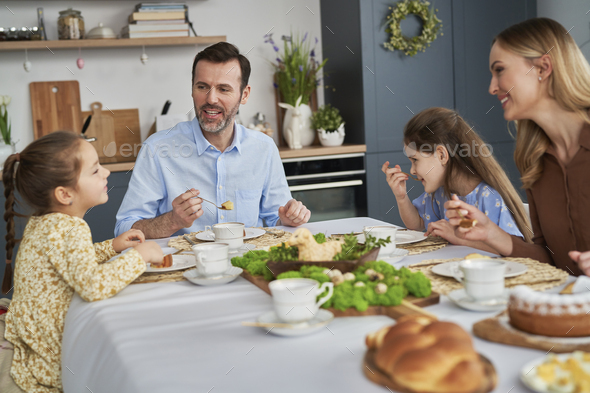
(80,63)
(144,58)
(27,66)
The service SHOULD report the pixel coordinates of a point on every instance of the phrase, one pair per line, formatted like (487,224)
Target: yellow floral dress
(55,259)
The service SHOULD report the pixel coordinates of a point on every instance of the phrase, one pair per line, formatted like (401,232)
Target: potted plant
(296,75)
(329,125)
(6,145)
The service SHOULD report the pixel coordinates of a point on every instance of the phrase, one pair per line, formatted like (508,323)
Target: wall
(118,79)
(570,13)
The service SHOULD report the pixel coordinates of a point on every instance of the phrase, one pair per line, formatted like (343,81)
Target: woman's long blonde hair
(569,85)
(435,127)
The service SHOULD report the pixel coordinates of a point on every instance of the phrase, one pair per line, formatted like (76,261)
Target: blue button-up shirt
(249,173)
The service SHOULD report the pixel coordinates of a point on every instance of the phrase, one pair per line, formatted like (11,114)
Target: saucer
(447,269)
(251,233)
(460,298)
(321,319)
(228,276)
(397,255)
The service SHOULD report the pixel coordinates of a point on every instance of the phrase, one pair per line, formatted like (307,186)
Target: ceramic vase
(5,151)
(307,134)
(335,138)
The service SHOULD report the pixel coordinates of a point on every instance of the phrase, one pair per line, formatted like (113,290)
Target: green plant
(5,128)
(328,118)
(296,69)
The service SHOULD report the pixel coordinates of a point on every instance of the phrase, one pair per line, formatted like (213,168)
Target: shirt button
(220,187)
(219,159)
(211,147)
(222,217)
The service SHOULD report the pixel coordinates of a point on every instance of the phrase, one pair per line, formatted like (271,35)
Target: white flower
(487,212)
(497,203)
(7,100)
(428,217)
(1,100)
(510,224)
(423,201)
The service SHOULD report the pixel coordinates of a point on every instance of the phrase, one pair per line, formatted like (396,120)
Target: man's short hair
(222,52)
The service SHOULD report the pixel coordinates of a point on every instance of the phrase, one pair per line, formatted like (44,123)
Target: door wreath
(411,45)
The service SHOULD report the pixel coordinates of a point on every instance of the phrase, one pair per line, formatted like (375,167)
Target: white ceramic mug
(231,233)
(212,258)
(294,299)
(382,232)
(483,279)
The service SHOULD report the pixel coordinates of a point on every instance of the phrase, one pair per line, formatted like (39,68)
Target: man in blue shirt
(212,157)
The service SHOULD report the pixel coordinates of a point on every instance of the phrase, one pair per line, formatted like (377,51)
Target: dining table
(180,337)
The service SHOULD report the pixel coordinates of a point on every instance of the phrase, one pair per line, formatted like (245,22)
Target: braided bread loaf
(425,355)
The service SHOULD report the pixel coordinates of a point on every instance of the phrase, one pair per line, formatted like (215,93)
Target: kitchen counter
(285,152)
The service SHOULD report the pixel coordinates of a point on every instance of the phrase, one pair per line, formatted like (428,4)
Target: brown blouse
(559,204)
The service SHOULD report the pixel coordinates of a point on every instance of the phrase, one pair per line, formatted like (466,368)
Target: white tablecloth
(179,337)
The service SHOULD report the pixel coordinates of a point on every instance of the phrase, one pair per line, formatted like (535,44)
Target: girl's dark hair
(469,156)
(47,163)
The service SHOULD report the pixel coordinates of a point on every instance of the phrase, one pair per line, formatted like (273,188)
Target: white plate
(228,276)
(251,233)
(401,237)
(396,256)
(460,298)
(527,371)
(513,269)
(321,319)
(179,262)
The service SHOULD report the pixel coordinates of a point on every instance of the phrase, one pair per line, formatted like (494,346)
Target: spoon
(410,176)
(192,243)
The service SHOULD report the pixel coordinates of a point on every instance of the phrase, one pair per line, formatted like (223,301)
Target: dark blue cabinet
(378,91)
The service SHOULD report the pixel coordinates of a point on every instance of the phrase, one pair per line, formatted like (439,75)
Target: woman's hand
(396,180)
(131,238)
(443,229)
(150,252)
(480,232)
(582,259)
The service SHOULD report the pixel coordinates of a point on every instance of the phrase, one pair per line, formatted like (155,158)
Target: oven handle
(319,186)
(329,174)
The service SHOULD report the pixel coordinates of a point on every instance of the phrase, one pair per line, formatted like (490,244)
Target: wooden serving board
(117,133)
(390,311)
(55,107)
(344,266)
(374,374)
(494,329)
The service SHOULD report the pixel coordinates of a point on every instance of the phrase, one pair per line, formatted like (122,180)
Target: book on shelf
(154,34)
(138,16)
(158,22)
(156,27)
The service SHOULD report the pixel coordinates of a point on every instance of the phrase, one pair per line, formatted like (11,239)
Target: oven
(331,187)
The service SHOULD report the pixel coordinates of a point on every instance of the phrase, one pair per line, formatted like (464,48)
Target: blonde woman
(543,82)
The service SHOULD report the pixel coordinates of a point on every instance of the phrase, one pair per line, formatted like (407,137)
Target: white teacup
(382,232)
(294,299)
(483,279)
(212,258)
(231,233)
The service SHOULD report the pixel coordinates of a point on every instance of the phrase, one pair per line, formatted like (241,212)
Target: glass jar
(3,33)
(12,34)
(70,25)
(35,34)
(24,34)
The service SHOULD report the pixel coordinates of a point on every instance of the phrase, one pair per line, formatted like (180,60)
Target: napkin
(582,285)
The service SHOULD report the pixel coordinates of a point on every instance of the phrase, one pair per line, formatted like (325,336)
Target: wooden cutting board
(117,133)
(391,311)
(374,374)
(55,107)
(495,329)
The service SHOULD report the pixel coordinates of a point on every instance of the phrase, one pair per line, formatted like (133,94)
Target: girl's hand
(480,232)
(582,259)
(443,229)
(128,239)
(150,252)
(396,180)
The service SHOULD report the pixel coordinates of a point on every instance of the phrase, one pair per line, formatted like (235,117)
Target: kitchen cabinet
(378,91)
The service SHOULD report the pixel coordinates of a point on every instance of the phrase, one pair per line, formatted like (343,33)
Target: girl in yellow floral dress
(59,176)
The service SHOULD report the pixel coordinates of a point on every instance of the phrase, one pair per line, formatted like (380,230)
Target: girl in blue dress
(448,157)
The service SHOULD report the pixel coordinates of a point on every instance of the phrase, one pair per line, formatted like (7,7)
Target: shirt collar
(203,144)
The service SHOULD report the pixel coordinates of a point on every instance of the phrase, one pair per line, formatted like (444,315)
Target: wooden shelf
(110,43)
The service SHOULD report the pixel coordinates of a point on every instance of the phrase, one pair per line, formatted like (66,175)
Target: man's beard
(218,125)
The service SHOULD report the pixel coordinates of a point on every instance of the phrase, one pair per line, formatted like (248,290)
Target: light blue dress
(485,198)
